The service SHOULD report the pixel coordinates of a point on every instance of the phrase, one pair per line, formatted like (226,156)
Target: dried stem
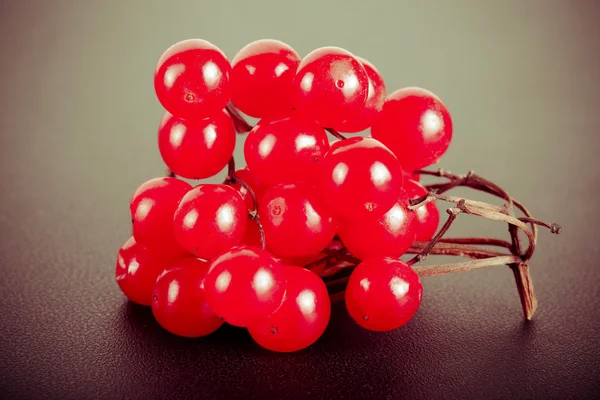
(240,123)
(336,134)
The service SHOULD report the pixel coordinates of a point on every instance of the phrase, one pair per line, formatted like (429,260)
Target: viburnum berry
(192,79)
(360,177)
(331,86)
(427,216)
(415,125)
(286,150)
(244,285)
(199,148)
(210,219)
(383,294)
(251,180)
(375,98)
(137,270)
(262,76)
(152,207)
(390,234)
(178,300)
(302,317)
(296,221)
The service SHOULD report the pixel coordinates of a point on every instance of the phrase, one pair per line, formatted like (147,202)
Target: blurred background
(78,133)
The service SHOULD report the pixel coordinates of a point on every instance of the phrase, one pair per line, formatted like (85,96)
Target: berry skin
(261,77)
(137,270)
(390,234)
(209,220)
(178,301)
(374,103)
(360,177)
(296,221)
(427,216)
(302,317)
(244,284)
(331,86)
(196,149)
(191,79)
(415,125)
(251,180)
(286,150)
(383,294)
(152,208)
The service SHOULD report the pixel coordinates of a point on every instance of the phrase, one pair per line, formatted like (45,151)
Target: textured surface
(78,134)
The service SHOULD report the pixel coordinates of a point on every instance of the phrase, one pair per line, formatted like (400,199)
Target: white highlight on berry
(307,81)
(173,292)
(365,284)
(172,73)
(133,267)
(176,135)
(313,219)
(251,69)
(266,145)
(339,173)
(143,208)
(190,219)
(280,69)
(262,281)
(210,135)
(399,287)
(222,282)
(306,301)
(350,84)
(431,123)
(225,217)
(305,141)
(379,173)
(211,75)
(395,217)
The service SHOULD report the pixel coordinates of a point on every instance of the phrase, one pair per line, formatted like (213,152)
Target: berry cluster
(235,251)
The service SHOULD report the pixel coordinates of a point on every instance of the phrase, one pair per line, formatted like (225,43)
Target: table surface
(78,135)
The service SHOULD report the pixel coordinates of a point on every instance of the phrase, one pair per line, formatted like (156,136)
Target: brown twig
(240,123)
(336,134)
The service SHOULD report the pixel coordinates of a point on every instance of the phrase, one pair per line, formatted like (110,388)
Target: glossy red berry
(286,150)
(210,219)
(383,294)
(192,79)
(152,208)
(390,234)
(196,149)
(302,317)
(375,98)
(178,301)
(137,271)
(427,216)
(360,177)
(251,180)
(331,86)
(415,125)
(262,76)
(244,284)
(296,221)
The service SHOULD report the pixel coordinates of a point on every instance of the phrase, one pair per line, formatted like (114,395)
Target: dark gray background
(78,121)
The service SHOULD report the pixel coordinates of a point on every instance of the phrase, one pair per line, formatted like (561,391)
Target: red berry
(210,219)
(302,317)
(196,149)
(390,234)
(375,99)
(412,176)
(152,208)
(137,270)
(296,221)
(427,216)
(251,180)
(383,294)
(331,86)
(178,301)
(261,77)
(244,284)
(286,150)
(415,125)
(192,79)
(360,177)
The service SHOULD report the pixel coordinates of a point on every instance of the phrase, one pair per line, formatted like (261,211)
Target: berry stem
(336,134)
(253,214)
(241,125)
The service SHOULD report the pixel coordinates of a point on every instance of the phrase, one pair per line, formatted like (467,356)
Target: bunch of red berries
(234,252)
